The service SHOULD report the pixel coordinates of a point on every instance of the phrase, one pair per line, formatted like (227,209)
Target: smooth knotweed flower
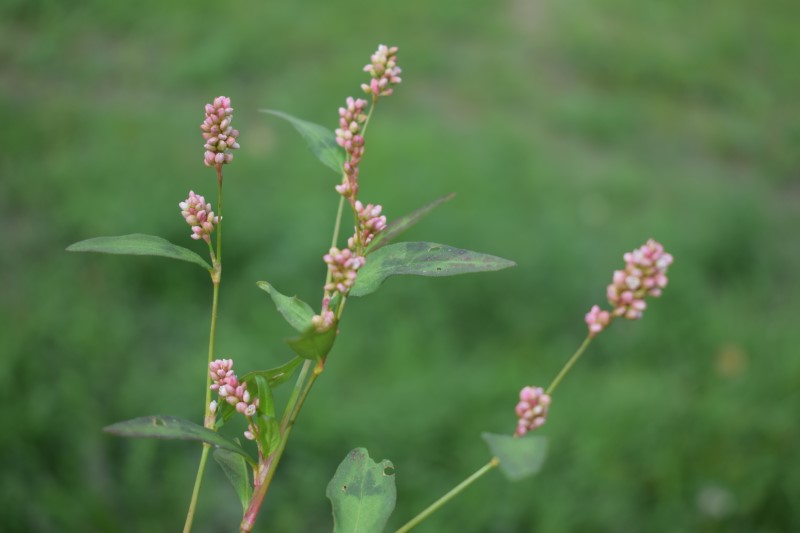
(227,385)
(645,274)
(324,320)
(597,320)
(220,137)
(369,222)
(531,409)
(384,71)
(343,266)
(349,136)
(199,216)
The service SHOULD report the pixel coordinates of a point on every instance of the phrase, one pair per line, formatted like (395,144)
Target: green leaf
(275,376)
(235,469)
(320,139)
(266,404)
(520,457)
(362,493)
(400,225)
(421,259)
(138,244)
(296,312)
(170,427)
(312,344)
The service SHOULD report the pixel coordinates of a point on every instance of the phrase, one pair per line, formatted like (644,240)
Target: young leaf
(170,427)
(362,493)
(320,139)
(400,225)
(312,344)
(266,404)
(235,469)
(520,457)
(296,312)
(421,259)
(138,244)
(275,376)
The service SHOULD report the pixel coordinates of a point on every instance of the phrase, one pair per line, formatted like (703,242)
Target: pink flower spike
(199,216)
(220,137)
(645,274)
(531,409)
(384,72)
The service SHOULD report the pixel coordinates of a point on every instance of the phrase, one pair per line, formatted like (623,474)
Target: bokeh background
(571,130)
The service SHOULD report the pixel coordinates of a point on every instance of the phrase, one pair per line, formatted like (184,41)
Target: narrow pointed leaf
(320,139)
(170,427)
(362,493)
(520,457)
(296,312)
(313,344)
(275,376)
(235,469)
(421,259)
(138,244)
(399,225)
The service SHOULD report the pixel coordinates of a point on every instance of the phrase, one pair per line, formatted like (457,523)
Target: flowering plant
(354,270)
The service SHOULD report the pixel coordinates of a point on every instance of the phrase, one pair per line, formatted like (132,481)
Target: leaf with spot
(138,244)
(320,139)
(362,493)
(170,427)
(398,226)
(421,259)
(520,457)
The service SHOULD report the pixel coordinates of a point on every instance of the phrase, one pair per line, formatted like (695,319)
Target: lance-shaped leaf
(421,259)
(170,427)
(235,469)
(399,225)
(268,427)
(520,457)
(296,312)
(275,376)
(362,493)
(320,139)
(138,244)
(313,344)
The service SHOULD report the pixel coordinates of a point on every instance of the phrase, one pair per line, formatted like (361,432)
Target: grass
(571,131)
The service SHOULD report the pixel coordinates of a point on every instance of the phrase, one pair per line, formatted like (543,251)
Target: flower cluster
(225,382)
(217,131)
(349,136)
(199,216)
(384,71)
(343,266)
(531,409)
(645,274)
(369,222)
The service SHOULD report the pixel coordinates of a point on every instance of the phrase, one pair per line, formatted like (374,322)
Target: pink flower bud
(199,216)
(531,409)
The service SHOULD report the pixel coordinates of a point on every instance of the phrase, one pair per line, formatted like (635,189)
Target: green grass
(571,131)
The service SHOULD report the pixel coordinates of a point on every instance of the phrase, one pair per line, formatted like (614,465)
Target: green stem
(449,496)
(267,470)
(569,365)
(208,417)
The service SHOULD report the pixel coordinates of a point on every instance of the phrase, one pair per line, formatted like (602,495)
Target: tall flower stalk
(221,139)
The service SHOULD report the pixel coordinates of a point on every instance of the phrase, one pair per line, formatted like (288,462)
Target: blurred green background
(571,130)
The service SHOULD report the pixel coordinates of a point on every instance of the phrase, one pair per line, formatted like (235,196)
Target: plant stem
(267,470)
(569,365)
(449,496)
(208,418)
